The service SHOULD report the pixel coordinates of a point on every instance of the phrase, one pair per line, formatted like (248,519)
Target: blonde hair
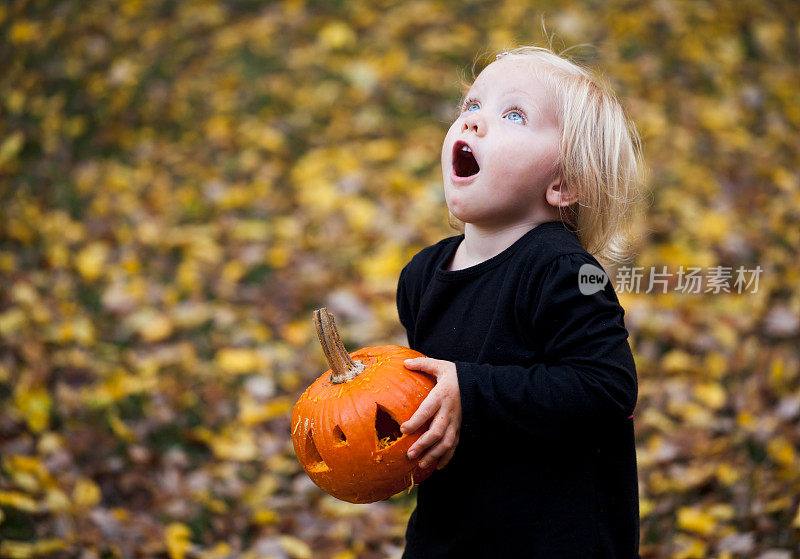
(600,152)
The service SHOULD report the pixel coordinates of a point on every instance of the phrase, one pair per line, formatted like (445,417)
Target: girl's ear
(559,194)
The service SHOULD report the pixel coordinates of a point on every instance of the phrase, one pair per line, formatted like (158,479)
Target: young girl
(532,425)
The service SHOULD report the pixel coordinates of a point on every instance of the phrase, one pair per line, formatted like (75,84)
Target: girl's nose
(476,123)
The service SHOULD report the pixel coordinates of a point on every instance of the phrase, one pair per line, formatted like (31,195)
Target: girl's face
(509,125)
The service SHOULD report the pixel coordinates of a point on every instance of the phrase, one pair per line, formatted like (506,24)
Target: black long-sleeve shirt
(546,462)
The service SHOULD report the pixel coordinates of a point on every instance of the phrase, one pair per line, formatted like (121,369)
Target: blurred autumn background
(182,183)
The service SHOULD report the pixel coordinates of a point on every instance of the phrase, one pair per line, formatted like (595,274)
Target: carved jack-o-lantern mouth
(346,425)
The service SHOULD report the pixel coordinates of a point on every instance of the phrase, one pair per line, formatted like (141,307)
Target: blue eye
(469,103)
(516,116)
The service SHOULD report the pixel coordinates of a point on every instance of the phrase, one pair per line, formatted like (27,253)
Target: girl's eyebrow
(527,95)
(505,94)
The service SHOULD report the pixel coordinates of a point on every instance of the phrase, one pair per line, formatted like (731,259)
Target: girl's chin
(460,213)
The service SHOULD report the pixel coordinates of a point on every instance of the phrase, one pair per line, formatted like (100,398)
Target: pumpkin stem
(343,369)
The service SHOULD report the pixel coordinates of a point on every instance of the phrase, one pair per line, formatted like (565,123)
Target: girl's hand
(444,398)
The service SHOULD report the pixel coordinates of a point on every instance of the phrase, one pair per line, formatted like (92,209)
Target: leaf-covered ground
(182,183)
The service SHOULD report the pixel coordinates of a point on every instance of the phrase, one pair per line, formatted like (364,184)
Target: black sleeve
(404,307)
(587,375)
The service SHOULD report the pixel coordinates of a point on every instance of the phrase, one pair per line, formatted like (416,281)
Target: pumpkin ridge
(400,390)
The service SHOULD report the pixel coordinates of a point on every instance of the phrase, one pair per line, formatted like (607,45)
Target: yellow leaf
(261,490)
(91,260)
(677,361)
(50,442)
(11,146)
(251,412)
(232,272)
(694,520)
(339,509)
(18,500)
(784,178)
(177,539)
(297,332)
(188,274)
(34,405)
(777,371)
(218,128)
(215,505)
(653,417)
(25,481)
(79,329)
(151,325)
(722,511)
(16,550)
(646,506)
(121,514)
(711,394)
(384,149)
(11,321)
(294,547)
(278,256)
(689,548)
(265,137)
(47,548)
(782,451)
(360,213)
(246,230)
(220,550)
(25,31)
(265,516)
(335,35)
(727,474)
(320,194)
(779,504)
(23,463)
(715,365)
(8,261)
(86,494)
(727,336)
(56,501)
(234,444)
(384,264)
(120,429)
(745,420)
(238,360)
(157,329)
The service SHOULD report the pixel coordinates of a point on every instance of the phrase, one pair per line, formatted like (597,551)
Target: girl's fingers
(441,448)
(423,364)
(429,406)
(434,433)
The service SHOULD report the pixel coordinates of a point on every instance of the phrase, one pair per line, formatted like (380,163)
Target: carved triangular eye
(386,428)
(338,437)
(315,461)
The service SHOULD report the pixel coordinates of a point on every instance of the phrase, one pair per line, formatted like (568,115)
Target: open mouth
(464,164)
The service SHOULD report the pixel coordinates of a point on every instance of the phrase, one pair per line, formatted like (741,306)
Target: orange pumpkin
(346,425)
